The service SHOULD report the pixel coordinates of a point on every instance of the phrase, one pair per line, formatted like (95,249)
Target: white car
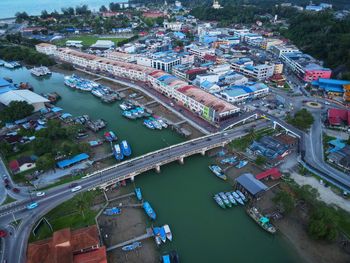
(40,194)
(77,188)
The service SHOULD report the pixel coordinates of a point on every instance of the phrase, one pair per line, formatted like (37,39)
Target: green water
(181,194)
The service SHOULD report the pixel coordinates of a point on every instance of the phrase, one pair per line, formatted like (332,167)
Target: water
(181,194)
(8,8)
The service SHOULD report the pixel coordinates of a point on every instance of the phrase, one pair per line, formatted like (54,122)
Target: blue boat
(138,193)
(128,114)
(132,246)
(162,234)
(112,211)
(126,149)
(241,164)
(166,259)
(149,124)
(118,154)
(230,160)
(110,136)
(149,210)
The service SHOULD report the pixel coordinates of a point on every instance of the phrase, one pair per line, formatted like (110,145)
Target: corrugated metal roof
(251,184)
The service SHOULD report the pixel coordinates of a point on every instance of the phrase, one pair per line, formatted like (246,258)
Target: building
(74,43)
(66,246)
(46,48)
(272,173)
(6,86)
(338,117)
(200,51)
(330,86)
(103,44)
(187,71)
(203,104)
(22,164)
(72,161)
(153,14)
(216,4)
(279,50)
(248,184)
(246,67)
(173,26)
(120,56)
(318,8)
(267,43)
(236,94)
(270,148)
(37,101)
(305,66)
(278,70)
(253,39)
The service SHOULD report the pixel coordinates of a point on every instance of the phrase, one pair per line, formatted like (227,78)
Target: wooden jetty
(148,234)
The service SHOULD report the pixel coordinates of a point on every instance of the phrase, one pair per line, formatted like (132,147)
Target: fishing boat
(132,246)
(241,195)
(9,65)
(40,71)
(241,164)
(162,234)
(128,114)
(138,194)
(112,211)
(217,171)
(126,149)
(110,136)
(238,198)
(229,160)
(225,200)
(118,154)
(149,210)
(70,81)
(168,233)
(156,124)
(126,105)
(261,220)
(140,110)
(148,124)
(156,233)
(219,201)
(97,92)
(95,143)
(163,123)
(231,198)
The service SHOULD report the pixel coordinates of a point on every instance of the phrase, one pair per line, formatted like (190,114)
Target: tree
(114,7)
(44,14)
(103,9)
(81,205)
(41,146)
(5,148)
(323,224)
(16,110)
(20,17)
(303,119)
(260,160)
(45,162)
(286,200)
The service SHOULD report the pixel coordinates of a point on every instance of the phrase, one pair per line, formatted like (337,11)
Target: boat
(126,105)
(156,233)
(128,114)
(219,201)
(40,71)
(156,124)
(166,258)
(163,123)
(2,62)
(8,65)
(241,164)
(112,211)
(168,233)
(110,136)
(132,246)
(126,149)
(237,198)
(217,171)
(138,194)
(261,220)
(229,160)
(118,152)
(174,257)
(70,81)
(162,234)
(225,200)
(95,143)
(148,124)
(241,195)
(231,198)
(140,110)
(97,92)
(149,210)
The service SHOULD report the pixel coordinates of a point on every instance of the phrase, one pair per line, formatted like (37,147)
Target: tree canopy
(16,110)
(303,119)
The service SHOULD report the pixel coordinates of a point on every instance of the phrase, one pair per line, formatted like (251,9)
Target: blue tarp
(166,259)
(56,109)
(68,162)
(66,115)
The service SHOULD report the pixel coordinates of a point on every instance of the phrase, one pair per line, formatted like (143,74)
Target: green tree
(302,119)
(286,200)
(323,224)
(16,110)
(42,146)
(260,160)
(45,162)
(5,148)
(81,205)
(103,9)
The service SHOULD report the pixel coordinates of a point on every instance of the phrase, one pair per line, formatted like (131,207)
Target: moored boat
(231,198)
(162,234)
(148,124)
(149,210)
(261,220)
(110,136)
(241,164)
(225,200)
(118,152)
(217,171)
(132,246)
(237,198)
(128,114)
(126,149)
(168,233)
(241,195)
(138,194)
(219,201)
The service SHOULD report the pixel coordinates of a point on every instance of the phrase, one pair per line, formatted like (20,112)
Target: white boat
(163,123)
(241,195)
(97,92)
(168,233)
(8,65)
(238,198)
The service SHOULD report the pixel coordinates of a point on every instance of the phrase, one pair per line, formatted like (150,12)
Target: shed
(273,173)
(251,185)
(30,97)
(75,159)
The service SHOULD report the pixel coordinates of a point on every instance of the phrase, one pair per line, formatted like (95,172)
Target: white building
(213,78)
(279,50)
(46,48)
(173,26)
(103,44)
(120,56)
(200,52)
(37,101)
(247,68)
(216,4)
(235,94)
(74,43)
(220,69)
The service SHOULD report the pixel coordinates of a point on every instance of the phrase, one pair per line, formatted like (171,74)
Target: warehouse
(30,97)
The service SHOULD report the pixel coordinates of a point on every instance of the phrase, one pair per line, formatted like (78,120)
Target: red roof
(14,165)
(94,256)
(209,57)
(274,173)
(338,116)
(195,70)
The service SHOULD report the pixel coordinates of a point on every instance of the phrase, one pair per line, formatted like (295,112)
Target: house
(74,160)
(67,246)
(22,164)
(272,173)
(270,148)
(338,117)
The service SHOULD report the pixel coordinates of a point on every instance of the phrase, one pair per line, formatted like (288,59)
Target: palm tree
(81,205)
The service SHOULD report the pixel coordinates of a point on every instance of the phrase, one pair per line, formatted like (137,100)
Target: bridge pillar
(158,168)
(203,152)
(132,178)
(274,125)
(182,160)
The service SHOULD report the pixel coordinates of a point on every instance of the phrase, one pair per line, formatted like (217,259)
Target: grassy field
(68,215)
(8,200)
(88,40)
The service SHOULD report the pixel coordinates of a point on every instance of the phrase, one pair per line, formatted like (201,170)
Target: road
(15,245)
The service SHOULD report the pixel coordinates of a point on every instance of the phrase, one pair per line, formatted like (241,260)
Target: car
(8,187)
(6,181)
(77,188)
(3,233)
(73,185)
(40,194)
(32,205)
(327,103)
(16,190)
(225,134)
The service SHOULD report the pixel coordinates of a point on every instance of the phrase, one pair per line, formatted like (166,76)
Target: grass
(67,215)
(88,40)
(8,200)
(64,180)
(16,223)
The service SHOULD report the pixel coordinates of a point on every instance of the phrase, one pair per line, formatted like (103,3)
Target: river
(181,194)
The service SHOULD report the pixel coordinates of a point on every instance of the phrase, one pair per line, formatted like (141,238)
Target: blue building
(6,86)
(330,85)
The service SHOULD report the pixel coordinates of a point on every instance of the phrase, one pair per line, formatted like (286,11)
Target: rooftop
(251,184)
(21,95)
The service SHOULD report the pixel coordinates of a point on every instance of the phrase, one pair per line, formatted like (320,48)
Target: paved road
(15,246)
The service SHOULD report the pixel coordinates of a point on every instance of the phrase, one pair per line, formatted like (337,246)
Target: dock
(97,79)
(150,103)
(123,89)
(148,234)
(122,197)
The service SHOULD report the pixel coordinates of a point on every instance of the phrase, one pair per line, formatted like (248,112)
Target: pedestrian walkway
(149,233)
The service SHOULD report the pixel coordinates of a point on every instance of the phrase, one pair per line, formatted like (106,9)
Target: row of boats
(217,170)
(121,150)
(10,65)
(40,71)
(155,123)
(229,199)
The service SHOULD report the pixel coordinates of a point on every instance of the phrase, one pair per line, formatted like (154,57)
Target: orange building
(66,246)
(347,93)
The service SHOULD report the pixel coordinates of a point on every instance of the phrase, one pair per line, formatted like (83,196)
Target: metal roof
(251,184)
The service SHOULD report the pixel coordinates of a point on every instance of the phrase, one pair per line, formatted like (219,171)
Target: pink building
(314,73)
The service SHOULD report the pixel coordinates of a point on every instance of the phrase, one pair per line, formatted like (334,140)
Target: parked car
(16,190)
(3,233)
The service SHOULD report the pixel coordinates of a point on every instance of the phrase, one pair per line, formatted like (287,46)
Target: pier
(151,103)
(148,234)
(121,197)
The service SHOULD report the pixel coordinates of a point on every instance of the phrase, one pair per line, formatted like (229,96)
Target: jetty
(121,197)
(148,234)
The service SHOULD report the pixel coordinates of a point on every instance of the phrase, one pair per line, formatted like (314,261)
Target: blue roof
(75,159)
(56,109)
(337,145)
(251,184)
(331,85)
(4,82)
